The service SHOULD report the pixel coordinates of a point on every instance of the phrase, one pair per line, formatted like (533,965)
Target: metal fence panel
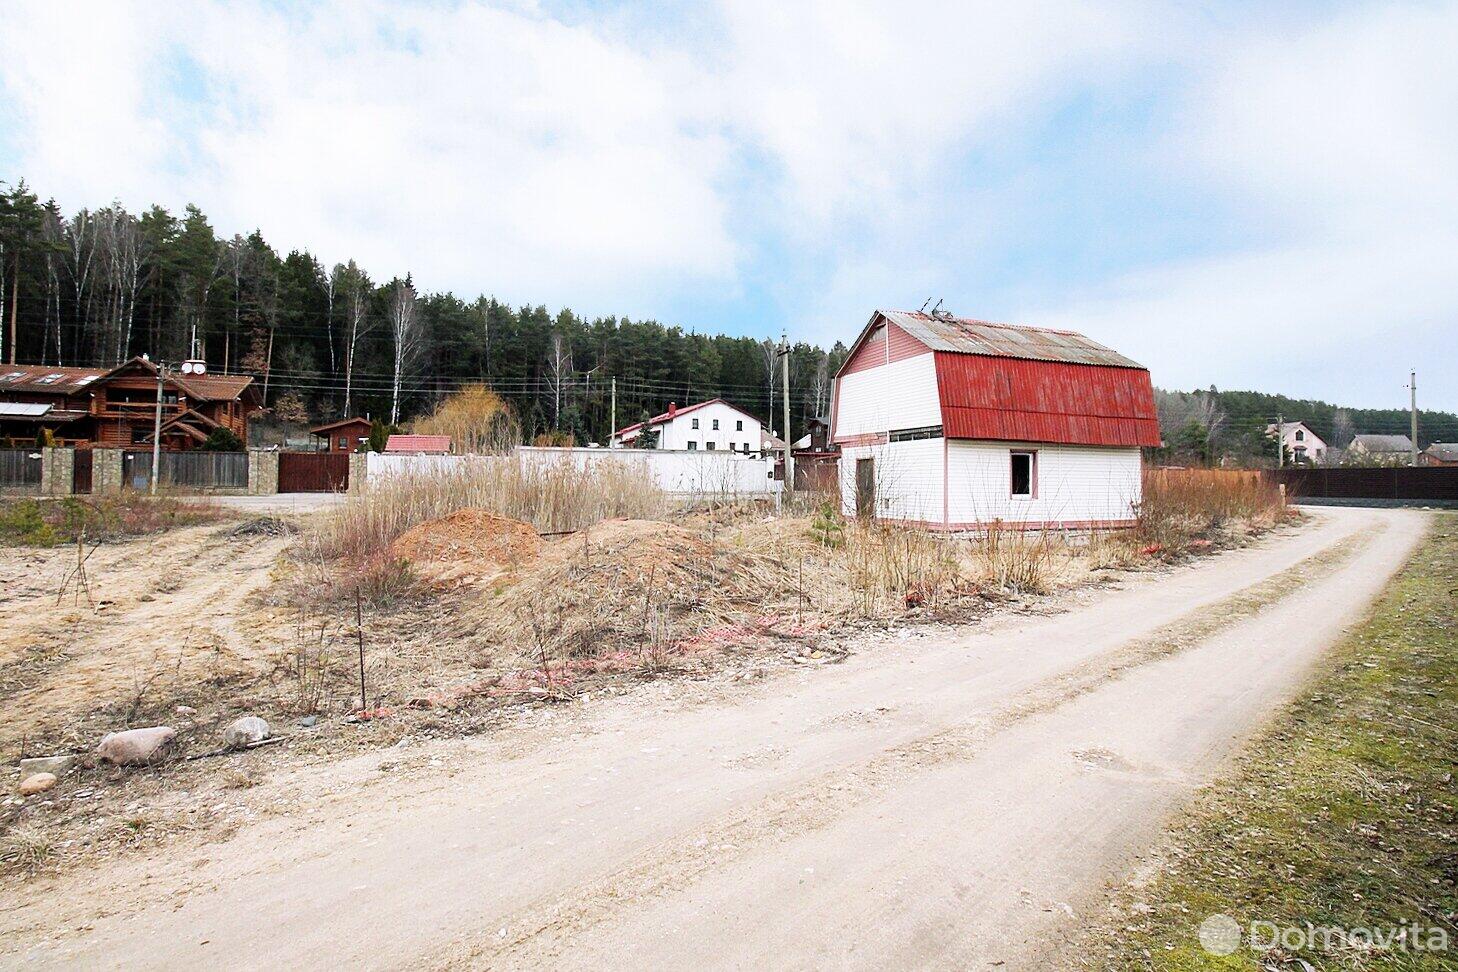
(1372,483)
(20,467)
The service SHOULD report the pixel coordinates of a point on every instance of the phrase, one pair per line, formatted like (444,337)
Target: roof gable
(961,335)
(666,416)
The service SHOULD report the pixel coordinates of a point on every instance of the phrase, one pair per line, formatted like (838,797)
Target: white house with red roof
(712,426)
(955,424)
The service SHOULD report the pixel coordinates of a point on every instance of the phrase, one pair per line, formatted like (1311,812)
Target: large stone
(134,747)
(56,765)
(37,783)
(244,732)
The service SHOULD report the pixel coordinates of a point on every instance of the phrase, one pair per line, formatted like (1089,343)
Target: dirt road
(956,800)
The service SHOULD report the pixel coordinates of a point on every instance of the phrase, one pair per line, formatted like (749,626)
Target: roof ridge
(973,320)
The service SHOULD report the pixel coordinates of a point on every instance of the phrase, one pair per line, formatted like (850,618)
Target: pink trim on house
(1014,524)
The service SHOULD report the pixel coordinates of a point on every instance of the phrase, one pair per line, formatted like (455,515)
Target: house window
(739,426)
(49,379)
(716,425)
(695,422)
(911,435)
(709,446)
(692,444)
(343,442)
(1024,473)
(1300,435)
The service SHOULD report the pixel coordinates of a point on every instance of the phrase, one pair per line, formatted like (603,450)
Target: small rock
(37,783)
(133,747)
(186,710)
(244,732)
(308,721)
(57,765)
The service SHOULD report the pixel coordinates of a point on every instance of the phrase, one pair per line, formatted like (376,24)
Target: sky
(1251,195)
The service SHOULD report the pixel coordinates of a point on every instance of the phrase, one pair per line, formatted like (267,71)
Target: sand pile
(467,546)
(626,582)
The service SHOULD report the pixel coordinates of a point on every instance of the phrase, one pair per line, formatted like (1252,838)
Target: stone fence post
(57,471)
(106,470)
(359,471)
(262,472)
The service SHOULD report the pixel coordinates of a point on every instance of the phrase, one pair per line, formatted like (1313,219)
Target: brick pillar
(106,471)
(359,471)
(262,472)
(57,471)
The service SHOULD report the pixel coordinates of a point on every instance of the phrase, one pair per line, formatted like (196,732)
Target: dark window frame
(912,435)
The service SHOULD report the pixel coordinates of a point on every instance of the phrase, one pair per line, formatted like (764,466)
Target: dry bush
(477,420)
(552,497)
(1181,505)
(26,850)
(1017,561)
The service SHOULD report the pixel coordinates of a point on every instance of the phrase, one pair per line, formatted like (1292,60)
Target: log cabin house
(117,408)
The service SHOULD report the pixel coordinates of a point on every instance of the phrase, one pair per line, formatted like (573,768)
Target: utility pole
(157,431)
(1412,386)
(613,417)
(789,458)
(1280,441)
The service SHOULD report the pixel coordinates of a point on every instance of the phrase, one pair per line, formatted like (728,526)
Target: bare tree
(770,358)
(406,329)
(559,372)
(235,264)
(353,285)
(53,236)
(80,251)
(820,384)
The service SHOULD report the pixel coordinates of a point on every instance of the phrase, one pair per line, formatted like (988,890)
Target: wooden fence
(186,470)
(18,468)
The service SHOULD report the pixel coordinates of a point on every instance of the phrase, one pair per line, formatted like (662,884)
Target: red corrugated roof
(1021,384)
(1045,401)
(418,443)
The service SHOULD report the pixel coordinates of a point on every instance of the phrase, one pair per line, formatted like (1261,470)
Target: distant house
(1381,448)
(117,407)
(955,424)
(418,445)
(711,426)
(1441,454)
(1300,443)
(345,435)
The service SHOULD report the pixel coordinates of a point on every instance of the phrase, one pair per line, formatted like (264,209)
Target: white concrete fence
(684,474)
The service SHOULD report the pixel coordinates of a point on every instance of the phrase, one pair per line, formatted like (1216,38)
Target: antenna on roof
(935,311)
(923,306)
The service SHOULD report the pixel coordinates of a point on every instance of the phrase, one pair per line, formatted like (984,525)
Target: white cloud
(1336,143)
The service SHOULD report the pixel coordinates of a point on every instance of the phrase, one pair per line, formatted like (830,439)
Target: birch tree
(405,328)
(354,289)
(80,251)
(559,372)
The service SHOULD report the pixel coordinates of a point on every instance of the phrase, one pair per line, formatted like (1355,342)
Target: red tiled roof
(660,419)
(29,378)
(418,443)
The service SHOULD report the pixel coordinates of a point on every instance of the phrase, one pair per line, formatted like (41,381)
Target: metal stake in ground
(364,702)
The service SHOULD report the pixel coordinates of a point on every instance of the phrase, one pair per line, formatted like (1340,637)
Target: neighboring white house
(954,424)
(712,426)
(1300,443)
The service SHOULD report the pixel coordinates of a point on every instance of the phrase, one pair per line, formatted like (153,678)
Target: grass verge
(48,522)
(1340,823)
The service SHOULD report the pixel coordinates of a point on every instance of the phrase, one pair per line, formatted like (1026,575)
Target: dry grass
(1181,505)
(552,497)
(26,850)
(47,522)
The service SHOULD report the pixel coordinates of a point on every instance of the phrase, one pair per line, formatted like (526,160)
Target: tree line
(95,287)
(1208,426)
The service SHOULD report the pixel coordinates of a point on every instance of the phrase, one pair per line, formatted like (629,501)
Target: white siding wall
(678,433)
(908,479)
(1075,483)
(900,395)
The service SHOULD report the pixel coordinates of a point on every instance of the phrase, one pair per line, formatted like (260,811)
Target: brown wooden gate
(81,471)
(313,472)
